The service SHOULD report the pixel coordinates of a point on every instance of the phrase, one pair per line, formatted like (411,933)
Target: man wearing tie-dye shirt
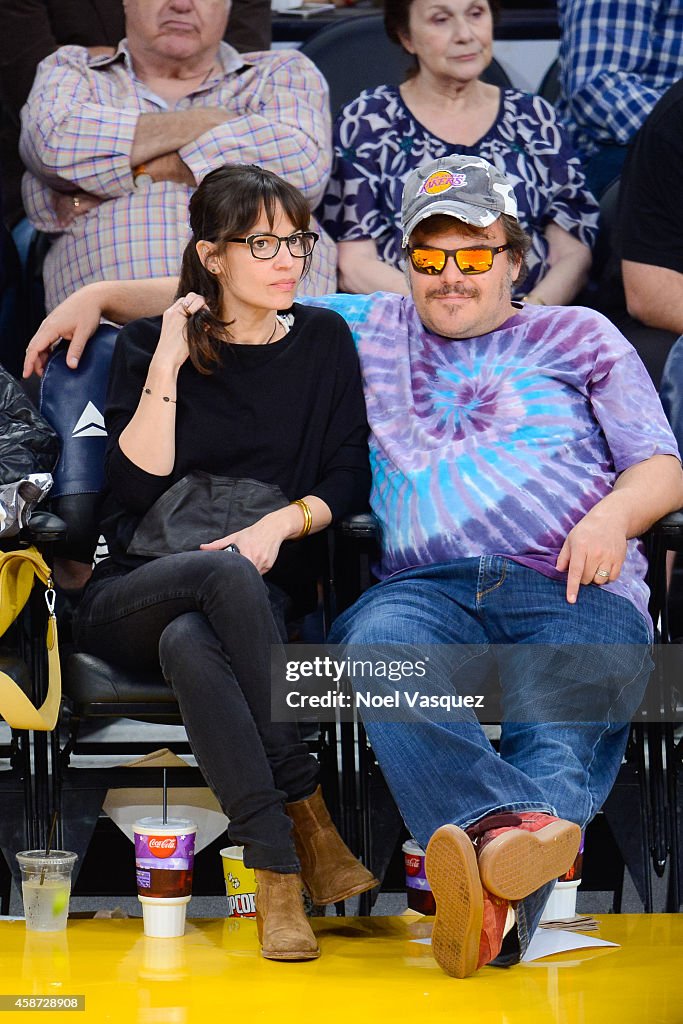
(517,453)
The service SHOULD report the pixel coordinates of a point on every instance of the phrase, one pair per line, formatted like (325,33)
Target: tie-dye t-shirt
(500,444)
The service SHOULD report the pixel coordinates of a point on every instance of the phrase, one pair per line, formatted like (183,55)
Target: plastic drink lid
(411,847)
(55,858)
(159,827)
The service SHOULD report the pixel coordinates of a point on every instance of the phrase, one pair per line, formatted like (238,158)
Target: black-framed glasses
(265,246)
(428,259)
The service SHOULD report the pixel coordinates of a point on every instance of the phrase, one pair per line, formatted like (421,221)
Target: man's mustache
(453,289)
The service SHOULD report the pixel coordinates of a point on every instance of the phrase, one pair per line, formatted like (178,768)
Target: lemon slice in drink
(60,901)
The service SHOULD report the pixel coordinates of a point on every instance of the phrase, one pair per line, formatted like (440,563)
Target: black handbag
(200,508)
(29,449)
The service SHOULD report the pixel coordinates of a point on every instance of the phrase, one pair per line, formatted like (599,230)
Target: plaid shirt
(617,58)
(77,134)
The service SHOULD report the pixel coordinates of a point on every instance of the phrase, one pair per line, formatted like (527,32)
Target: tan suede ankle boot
(283,928)
(329,870)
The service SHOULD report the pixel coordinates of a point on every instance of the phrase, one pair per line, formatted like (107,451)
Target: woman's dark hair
(397,22)
(515,236)
(226,205)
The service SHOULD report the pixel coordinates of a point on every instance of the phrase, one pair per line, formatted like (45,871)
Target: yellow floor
(369,972)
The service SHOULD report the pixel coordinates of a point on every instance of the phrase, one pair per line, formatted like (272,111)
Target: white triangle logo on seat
(90,423)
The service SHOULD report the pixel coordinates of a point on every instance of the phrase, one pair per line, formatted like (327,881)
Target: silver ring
(232,548)
(603,573)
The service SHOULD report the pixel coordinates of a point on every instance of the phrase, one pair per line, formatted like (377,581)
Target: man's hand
(594,551)
(170,167)
(76,319)
(76,204)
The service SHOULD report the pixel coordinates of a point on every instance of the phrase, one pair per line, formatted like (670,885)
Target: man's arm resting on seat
(642,494)
(654,295)
(78,317)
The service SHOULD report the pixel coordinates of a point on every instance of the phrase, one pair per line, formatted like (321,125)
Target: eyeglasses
(266,247)
(427,259)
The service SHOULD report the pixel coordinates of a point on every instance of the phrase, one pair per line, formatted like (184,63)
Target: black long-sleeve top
(290,413)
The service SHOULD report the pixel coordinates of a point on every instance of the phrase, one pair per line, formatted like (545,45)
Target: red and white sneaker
(470,922)
(517,853)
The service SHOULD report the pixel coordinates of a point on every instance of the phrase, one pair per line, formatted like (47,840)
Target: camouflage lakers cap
(466,187)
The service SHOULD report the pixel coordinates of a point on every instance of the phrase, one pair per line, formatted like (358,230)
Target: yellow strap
(18,570)
(16,708)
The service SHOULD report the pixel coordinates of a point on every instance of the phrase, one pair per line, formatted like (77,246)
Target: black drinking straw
(165,800)
(48,845)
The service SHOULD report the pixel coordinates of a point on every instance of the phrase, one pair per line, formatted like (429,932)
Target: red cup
(573,874)
(164,857)
(420,896)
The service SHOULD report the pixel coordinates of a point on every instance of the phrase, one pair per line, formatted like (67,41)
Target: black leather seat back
(73,402)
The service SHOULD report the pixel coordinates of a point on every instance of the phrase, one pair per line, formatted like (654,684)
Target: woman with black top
(226,384)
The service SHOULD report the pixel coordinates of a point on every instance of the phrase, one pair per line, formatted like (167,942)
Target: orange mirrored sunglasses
(427,259)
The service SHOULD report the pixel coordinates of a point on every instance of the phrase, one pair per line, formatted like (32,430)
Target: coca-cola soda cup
(420,896)
(164,859)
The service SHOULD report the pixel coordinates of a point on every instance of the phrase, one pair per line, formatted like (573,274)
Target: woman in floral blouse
(445,108)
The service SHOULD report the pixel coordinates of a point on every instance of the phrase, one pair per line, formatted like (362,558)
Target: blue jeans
(23,233)
(447,771)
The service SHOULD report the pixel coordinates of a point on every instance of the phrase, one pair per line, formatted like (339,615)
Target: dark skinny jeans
(207,618)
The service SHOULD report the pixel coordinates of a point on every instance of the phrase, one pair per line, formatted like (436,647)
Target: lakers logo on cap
(441,181)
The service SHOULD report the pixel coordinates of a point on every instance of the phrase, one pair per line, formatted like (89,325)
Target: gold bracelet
(164,398)
(308,518)
(533,301)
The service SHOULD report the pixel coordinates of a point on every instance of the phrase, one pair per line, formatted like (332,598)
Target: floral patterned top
(378,142)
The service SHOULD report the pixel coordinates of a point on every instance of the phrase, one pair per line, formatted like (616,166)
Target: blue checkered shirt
(617,58)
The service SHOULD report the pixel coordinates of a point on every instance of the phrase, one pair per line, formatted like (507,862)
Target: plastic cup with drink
(46,888)
(164,859)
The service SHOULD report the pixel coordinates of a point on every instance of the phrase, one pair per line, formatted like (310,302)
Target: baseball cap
(466,187)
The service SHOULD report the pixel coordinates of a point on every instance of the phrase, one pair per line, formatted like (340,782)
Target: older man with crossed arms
(115,145)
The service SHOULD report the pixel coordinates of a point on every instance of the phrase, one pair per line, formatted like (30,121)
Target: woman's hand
(569,261)
(172,349)
(261,542)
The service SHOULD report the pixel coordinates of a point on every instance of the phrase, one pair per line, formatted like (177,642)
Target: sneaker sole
(517,863)
(451,868)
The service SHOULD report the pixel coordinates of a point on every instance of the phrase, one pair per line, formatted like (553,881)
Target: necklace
(279,322)
(272,335)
